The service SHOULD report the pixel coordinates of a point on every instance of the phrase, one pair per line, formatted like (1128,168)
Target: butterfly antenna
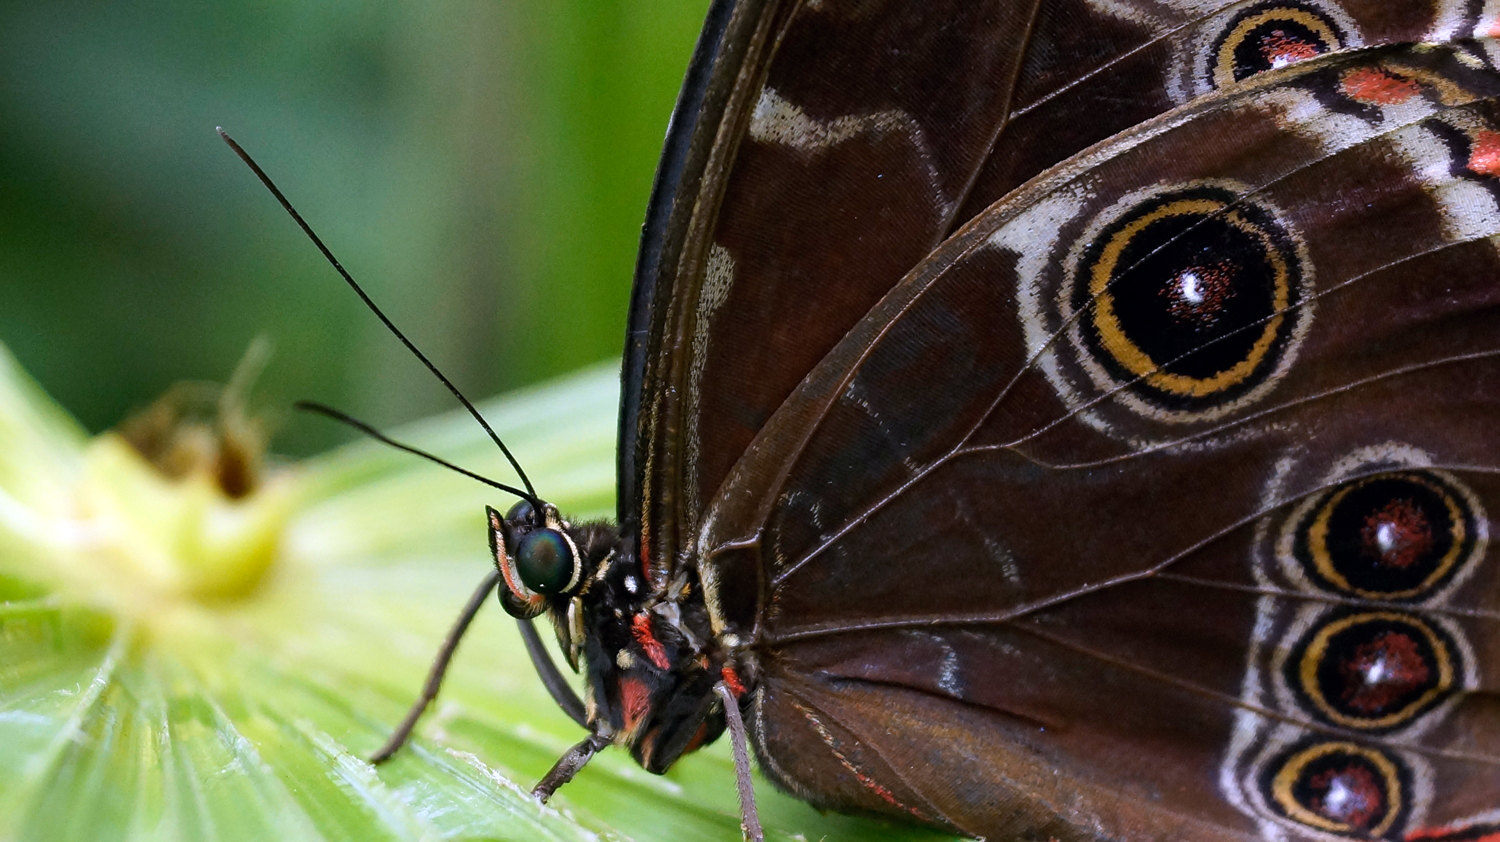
(344,418)
(358,290)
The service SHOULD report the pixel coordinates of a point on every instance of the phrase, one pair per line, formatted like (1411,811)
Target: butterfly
(1059,419)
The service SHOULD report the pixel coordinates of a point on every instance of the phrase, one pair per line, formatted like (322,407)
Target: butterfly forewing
(843,168)
(848,140)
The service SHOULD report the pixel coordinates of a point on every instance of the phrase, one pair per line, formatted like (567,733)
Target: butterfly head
(539,557)
(646,649)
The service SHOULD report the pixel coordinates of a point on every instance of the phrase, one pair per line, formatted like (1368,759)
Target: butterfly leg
(749,817)
(568,765)
(552,678)
(439,668)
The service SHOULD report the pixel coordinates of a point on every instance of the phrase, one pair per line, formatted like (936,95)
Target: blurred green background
(481,166)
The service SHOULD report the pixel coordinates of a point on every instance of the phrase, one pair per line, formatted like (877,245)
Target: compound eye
(521,512)
(546,562)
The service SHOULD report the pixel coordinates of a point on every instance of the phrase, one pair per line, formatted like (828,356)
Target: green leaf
(203,670)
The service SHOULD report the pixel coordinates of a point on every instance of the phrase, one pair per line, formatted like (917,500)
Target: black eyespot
(1271,35)
(1374,670)
(545,561)
(1191,299)
(1342,788)
(1390,536)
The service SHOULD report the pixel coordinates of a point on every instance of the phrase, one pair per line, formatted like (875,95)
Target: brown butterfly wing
(825,148)
(782,243)
(1095,68)
(1012,580)
(733,39)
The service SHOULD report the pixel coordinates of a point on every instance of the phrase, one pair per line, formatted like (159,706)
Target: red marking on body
(1398,535)
(1377,87)
(1484,157)
(1382,672)
(732,680)
(1280,49)
(635,698)
(640,628)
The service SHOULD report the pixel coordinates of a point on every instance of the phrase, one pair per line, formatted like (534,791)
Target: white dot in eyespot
(1340,800)
(1385,538)
(1192,289)
(630,584)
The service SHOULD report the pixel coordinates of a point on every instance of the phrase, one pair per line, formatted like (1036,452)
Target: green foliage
(481,166)
(173,666)
(134,707)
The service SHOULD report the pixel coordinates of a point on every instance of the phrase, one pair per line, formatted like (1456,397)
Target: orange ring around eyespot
(1291,772)
(1223,72)
(1317,651)
(1317,539)
(1135,360)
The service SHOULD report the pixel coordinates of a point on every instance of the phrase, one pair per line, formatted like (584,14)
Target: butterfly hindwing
(1153,477)
(1030,476)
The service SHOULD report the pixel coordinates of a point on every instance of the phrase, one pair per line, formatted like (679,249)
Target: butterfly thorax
(650,663)
(645,647)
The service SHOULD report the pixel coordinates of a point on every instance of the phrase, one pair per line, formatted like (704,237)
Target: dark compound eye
(545,562)
(521,512)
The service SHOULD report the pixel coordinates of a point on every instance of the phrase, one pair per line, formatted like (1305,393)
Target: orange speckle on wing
(1484,156)
(865,780)
(1378,87)
(1465,834)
